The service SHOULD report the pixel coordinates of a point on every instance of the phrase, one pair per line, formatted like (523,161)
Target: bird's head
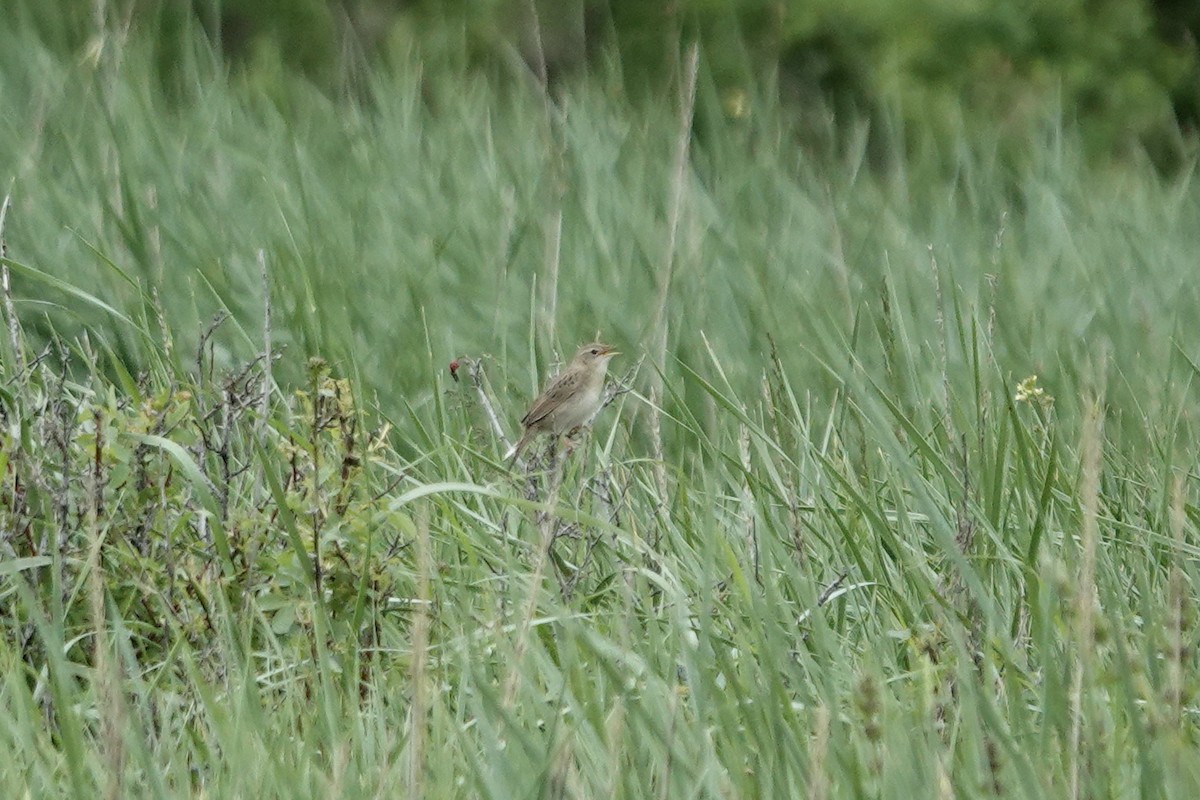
(594,352)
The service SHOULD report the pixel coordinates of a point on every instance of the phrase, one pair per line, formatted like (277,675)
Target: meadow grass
(836,540)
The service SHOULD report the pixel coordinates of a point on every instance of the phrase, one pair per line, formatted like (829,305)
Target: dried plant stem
(479,381)
(14,329)
(657,453)
(1093,428)
(940,319)
(556,169)
(552,256)
(675,207)
(665,275)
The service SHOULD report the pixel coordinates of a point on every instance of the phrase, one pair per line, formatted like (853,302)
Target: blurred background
(1016,169)
(1125,69)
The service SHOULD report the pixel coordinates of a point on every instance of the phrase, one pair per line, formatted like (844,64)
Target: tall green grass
(876,557)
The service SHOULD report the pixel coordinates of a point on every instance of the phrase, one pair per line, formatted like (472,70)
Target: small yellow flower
(1028,391)
(736,103)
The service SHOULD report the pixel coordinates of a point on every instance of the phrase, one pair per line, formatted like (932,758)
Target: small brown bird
(570,399)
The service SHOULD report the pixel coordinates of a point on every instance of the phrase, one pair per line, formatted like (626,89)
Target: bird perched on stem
(570,399)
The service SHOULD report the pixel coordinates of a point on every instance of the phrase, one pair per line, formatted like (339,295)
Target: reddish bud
(454,369)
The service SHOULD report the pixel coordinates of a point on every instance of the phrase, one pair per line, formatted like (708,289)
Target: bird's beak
(610,352)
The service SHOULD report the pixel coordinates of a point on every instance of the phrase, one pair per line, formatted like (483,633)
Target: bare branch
(475,373)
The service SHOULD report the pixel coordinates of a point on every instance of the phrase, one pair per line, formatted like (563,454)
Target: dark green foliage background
(1127,69)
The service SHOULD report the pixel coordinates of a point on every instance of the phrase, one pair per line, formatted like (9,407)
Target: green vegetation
(1125,72)
(837,541)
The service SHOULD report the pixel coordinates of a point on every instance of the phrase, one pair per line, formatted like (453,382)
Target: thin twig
(830,589)
(475,373)
(217,321)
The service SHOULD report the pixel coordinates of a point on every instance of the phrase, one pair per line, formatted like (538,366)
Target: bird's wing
(559,389)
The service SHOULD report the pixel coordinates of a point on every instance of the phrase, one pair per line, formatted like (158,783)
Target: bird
(569,399)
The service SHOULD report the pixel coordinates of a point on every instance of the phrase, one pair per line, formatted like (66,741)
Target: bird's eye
(595,351)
